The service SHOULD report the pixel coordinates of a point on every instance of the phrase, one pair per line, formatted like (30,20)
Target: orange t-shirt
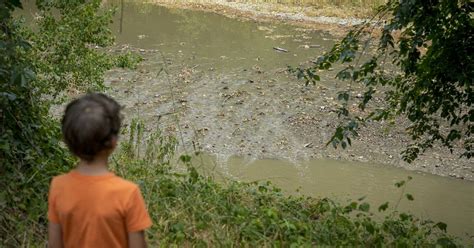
(96,211)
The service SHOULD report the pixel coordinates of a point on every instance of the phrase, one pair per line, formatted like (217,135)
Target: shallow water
(213,40)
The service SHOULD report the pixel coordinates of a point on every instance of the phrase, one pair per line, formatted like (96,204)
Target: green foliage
(430,45)
(128,60)
(39,68)
(189,209)
(67,46)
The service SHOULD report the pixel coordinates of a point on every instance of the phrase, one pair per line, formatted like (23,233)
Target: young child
(90,206)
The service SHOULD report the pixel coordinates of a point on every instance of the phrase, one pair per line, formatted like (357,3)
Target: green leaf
(185,158)
(344,95)
(383,207)
(446,242)
(370,227)
(404,216)
(349,208)
(400,184)
(442,226)
(343,75)
(364,207)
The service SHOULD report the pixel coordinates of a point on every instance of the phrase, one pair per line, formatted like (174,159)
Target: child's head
(91,125)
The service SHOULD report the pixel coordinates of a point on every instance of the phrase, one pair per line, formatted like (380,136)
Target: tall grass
(189,209)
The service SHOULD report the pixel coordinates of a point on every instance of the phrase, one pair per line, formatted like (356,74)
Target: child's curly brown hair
(90,123)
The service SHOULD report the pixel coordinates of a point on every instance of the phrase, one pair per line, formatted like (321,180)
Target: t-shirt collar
(81,176)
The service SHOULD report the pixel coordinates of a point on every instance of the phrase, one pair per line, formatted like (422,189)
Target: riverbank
(329,17)
(192,210)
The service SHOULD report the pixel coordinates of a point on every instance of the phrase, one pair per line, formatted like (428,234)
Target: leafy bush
(128,60)
(39,68)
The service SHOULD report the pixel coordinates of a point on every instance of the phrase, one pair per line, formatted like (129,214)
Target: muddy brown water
(213,40)
(227,92)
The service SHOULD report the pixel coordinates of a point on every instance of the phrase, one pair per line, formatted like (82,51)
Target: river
(224,89)
(220,85)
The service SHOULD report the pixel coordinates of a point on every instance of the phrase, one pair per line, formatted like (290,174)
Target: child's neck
(98,166)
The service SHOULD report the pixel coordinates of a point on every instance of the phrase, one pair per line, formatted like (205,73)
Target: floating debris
(279,49)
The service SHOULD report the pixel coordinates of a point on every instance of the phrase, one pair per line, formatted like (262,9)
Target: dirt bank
(308,17)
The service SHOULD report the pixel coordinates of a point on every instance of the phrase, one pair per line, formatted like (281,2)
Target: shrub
(39,68)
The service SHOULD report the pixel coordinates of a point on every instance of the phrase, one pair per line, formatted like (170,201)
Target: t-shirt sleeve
(52,213)
(137,217)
